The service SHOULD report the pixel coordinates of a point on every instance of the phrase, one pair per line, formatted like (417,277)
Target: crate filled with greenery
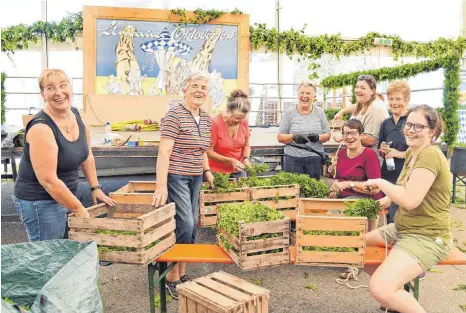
(127,233)
(225,191)
(253,234)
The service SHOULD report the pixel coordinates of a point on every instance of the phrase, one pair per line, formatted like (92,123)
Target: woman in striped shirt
(181,163)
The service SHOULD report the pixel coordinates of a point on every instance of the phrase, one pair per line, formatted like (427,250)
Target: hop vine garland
(445,52)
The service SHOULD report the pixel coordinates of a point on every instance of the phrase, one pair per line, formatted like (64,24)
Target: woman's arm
(44,159)
(285,138)
(368,140)
(163,161)
(90,173)
(348,110)
(324,137)
(411,195)
(247,153)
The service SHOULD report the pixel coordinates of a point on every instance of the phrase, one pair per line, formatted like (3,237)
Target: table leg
(151,269)
(163,292)
(416,288)
(13,167)
(454,189)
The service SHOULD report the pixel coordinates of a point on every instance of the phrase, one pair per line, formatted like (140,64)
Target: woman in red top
(229,150)
(355,164)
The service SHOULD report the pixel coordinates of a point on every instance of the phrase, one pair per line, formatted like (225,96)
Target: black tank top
(70,157)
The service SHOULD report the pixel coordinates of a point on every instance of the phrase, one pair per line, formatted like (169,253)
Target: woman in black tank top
(57,144)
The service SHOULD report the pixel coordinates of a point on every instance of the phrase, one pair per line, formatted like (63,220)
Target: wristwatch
(96,187)
(352,185)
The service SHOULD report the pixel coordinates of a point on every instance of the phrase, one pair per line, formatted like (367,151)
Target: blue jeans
(43,219)
(391,212)
(311,165)
(184,192)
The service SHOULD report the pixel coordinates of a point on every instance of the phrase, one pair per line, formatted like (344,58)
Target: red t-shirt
(225,145)
(363,167)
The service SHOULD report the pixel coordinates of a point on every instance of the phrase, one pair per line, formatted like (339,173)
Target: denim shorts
(43,219)
(311,165)
(184,192)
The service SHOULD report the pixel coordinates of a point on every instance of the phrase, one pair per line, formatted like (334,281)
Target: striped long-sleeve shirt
(191,140)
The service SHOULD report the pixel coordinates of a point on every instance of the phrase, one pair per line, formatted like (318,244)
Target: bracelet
(96,187)
(244,158)
(208,170)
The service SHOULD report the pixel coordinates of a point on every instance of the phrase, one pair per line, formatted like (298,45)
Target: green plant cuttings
(363,208)
(229,216)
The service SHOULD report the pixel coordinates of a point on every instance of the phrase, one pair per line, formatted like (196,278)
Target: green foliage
(451,97)
(364,208)
(255,169)
(461,287)
(330,113)
(249,212)
(25,307)
(309,187)
(18,37)
(157,300)
(311,286)
(463,307)
(3,108)
(202,16)
(122,233)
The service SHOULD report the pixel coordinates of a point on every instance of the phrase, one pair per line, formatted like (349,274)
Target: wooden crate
(283,198)
(135,192)
(340,224)
(210,200)
(246,250)
(222,292)
(154,230)
(310,206)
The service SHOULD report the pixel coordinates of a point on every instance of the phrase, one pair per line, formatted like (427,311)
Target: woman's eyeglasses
(417,127)
(352,134)
(365,77)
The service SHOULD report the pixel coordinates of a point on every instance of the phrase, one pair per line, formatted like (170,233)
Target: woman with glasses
(369,109)
(303,129)
(421,235)
(229,150)
(355,165)
(392,142)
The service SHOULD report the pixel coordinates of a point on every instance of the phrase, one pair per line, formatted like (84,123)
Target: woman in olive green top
(421,235)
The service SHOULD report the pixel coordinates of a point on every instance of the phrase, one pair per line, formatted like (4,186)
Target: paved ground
(124,287)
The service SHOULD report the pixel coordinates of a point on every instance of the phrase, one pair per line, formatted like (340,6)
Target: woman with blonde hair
(57,144)
(229,150)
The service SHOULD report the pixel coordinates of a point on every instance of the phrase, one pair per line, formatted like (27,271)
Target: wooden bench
(211,253)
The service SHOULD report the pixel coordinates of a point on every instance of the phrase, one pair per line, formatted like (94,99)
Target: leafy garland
(450,92)
(3,97)
(201,16)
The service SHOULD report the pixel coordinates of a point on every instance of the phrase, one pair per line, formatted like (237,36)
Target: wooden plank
(158,215)
(239,283)
(143,186)
(192,307)
(142,208)
(121,257)
(239,195)
(201,309)
(291,214)
(108,240)
(124,189)
(331,223)
(223,289)
(329,257)
(265,244)
(97,210)
(159,248)
(127,215)
(112,224)
(159,232)
(254,229)
(232,239)
(281,204)
(208,220)
(206,297)
(280,191)
(331,241)
(182,304)
(306,205)
(142,198)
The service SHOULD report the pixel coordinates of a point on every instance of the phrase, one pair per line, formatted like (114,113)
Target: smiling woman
(57,144)
(303,129)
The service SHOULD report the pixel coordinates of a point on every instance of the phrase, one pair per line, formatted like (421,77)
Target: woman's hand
(160,195)
(384,147)
(237,165)
(247,163)
(99,195)
(338,116)
(384,203)
(209,178)
(82,213)
(337,136)
(372,185)
(393,153)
